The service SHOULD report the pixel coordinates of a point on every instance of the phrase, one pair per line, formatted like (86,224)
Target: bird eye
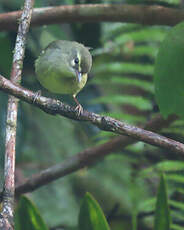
(76,60)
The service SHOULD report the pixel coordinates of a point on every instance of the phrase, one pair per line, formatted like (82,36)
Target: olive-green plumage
(63,67)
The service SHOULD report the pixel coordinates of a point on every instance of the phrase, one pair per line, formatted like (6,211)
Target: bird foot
(37,95)
(79,109)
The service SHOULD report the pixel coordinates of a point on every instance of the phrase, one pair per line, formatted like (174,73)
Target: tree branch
(106,123)
(6,220)
(142,14)
(86,158)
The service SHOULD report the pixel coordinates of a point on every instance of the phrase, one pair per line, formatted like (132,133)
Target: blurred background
(120,85)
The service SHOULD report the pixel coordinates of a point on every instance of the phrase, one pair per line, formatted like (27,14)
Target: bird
(63,68)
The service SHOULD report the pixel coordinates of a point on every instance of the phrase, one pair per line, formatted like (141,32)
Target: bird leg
(78,108)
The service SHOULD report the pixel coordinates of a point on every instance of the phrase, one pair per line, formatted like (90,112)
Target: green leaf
(91,216)
(125,80)
(176,227)
(165,166)
(177,204)
(176,178)
(146,34)
(125,67)
(162,214)
(144,50)
(139,102)
(27,216)
(169,73)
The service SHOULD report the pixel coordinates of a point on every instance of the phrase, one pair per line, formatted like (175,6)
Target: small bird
(63,68)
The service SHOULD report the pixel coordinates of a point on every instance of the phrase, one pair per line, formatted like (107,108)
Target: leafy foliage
(91,216)
(27,216)
(120,85)
(169,71)
(162,214)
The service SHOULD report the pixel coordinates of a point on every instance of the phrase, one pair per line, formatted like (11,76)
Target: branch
(53,106)
(85,158)
(142,14)
(6,220)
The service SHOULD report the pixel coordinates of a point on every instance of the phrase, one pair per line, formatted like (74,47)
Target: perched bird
(63,68)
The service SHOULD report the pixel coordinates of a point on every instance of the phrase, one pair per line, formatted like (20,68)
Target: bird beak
(79,76)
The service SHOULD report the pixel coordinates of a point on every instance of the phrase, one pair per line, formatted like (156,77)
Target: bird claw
(37,94)
(79,109)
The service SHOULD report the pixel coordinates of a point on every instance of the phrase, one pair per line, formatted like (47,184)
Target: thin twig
(106,123)
(142,14)
(6,222)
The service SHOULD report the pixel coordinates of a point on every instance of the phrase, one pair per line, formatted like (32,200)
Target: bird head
(80,60)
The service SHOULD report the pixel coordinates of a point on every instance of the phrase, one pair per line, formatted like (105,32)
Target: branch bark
(106,123)
(142,14)
(86,158)
(6,220)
